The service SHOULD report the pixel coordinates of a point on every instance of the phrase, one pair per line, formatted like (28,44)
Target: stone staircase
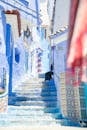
(35,104)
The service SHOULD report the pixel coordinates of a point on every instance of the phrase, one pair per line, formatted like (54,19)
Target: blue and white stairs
(35,104)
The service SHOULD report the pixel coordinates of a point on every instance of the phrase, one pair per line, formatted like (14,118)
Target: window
(83,114)
(0,41)
(2,80)
(17,55)
(82,103)
(81,91)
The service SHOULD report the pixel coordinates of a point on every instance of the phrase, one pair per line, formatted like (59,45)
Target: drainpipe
(37,11)
(53,17)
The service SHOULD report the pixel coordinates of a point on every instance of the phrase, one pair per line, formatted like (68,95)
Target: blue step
(34,105)
(38,98)
(47,94)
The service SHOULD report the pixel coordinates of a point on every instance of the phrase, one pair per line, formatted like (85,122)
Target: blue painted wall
(4,69)
(59,59)
(9,54)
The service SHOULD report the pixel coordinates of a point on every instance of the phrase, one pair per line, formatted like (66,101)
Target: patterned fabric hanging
(39,60)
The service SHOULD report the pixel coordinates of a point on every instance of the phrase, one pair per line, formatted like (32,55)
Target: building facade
(71,99)
(60,14)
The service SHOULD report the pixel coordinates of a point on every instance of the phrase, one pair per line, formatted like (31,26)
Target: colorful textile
(39,60)
(84,86)
(77,51)
(73,12)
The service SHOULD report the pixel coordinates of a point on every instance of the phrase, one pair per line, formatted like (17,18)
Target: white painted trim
(60,38)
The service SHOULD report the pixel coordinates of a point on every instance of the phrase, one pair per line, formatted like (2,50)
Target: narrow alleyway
(34,42)
(35,103)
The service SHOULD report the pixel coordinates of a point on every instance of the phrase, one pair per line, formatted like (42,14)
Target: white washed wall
(61,14)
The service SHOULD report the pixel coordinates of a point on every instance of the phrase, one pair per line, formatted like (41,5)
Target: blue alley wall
(4,69)
(59,58)
(9,54)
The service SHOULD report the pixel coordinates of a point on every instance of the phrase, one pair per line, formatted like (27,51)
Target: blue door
(9,54)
